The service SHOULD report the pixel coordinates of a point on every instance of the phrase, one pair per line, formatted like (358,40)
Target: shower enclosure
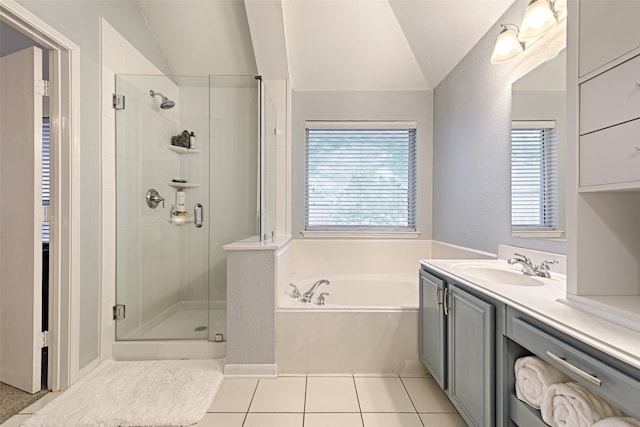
(194,171)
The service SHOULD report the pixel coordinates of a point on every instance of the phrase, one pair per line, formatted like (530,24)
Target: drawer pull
(560,360)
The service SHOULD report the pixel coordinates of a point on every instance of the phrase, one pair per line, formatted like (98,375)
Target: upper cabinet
(603,194)
(609,30)
(609,95)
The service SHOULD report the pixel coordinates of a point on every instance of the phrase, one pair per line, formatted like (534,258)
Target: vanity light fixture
(539,18)
(507,45)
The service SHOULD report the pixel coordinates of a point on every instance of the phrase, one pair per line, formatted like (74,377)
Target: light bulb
(507,45)
(538,19)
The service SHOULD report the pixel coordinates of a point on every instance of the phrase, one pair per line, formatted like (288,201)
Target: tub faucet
(306,297)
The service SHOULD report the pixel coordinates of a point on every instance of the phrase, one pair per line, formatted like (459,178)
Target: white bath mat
(149,393)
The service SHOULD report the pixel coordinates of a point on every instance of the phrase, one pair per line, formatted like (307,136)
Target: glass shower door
(162,199)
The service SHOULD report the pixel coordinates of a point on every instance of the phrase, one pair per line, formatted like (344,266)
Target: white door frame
(64,81)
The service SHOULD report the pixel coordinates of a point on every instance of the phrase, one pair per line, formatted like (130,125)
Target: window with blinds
(360,176)
(534,176)
(46,174)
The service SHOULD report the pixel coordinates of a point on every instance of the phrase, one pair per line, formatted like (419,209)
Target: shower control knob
(154,198)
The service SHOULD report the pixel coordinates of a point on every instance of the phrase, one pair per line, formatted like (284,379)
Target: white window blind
(46,174)
(534,176)
(360,176)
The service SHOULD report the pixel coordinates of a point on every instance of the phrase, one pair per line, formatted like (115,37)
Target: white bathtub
(369,325)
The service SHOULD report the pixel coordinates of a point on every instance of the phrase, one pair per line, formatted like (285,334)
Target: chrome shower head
(166,102)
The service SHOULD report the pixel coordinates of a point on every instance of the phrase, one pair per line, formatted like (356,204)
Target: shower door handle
(198,215)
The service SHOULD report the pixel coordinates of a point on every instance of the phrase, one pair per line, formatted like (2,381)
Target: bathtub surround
(366,336)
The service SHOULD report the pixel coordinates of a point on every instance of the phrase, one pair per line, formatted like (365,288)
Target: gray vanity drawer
(615,386)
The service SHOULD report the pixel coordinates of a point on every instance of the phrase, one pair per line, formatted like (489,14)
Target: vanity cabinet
(471,339)
(432,338)
(459,339)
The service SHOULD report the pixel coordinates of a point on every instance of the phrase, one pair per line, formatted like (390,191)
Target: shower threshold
(179,332)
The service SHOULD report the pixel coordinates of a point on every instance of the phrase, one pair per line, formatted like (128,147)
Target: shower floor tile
(184,323)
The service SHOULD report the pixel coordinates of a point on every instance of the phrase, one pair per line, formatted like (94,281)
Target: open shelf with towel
(524,415)
(609,380)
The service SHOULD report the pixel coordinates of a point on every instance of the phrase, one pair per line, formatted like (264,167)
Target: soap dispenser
(179,213)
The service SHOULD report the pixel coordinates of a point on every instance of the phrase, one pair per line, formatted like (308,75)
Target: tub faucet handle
(295,293)
(320,300)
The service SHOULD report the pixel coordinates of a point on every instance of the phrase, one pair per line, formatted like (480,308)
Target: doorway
(54,250)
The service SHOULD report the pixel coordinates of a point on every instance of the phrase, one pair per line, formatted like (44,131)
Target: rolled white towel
(618,422)
(533,376)
(571,405)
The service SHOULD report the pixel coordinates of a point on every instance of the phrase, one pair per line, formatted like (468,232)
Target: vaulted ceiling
(322,45)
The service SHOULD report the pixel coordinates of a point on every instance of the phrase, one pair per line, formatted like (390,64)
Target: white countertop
(541,302)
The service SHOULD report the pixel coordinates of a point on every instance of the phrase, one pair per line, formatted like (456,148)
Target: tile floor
(320,401)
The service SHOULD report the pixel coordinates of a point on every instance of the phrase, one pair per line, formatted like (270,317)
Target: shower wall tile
(284,269)
(108,206)
(118,56)
(367,256)
(108,171)
(108,243)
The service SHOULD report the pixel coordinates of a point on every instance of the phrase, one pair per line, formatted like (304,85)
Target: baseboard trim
(250,370)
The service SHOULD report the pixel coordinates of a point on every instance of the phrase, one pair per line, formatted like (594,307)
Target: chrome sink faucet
(529,268)
(307,296)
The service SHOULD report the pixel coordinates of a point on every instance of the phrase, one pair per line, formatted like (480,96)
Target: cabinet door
(608,30)
(432,337)
(471,357)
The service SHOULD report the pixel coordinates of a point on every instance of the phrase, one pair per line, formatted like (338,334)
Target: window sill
(317,234)
(540,234)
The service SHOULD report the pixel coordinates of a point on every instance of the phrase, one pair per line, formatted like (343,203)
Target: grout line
(410,399)
(250,402)
(358,399)
(304,405)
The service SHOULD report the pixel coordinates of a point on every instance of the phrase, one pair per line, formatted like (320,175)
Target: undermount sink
(498,275)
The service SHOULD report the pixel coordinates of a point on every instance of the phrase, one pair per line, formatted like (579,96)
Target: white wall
(384,106)
(80,22)
(472,122)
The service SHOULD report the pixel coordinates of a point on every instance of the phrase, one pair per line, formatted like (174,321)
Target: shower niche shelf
(182,150)
(183,184)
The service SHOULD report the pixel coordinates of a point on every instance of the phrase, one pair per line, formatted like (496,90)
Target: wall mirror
(538,140)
